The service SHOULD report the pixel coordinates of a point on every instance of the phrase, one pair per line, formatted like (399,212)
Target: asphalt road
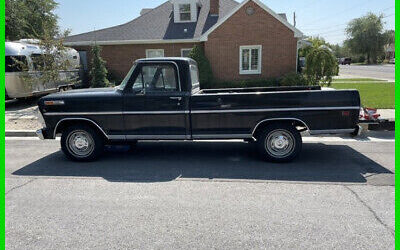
(180,195)
(384,72)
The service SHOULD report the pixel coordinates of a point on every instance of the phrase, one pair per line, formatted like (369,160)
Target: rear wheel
(81,143)
(279,142)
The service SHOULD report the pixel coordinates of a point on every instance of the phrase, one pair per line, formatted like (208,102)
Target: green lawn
(374,94)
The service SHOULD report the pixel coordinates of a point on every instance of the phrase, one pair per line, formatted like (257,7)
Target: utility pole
(294,19)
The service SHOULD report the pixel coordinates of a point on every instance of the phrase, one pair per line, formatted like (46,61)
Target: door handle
(176,98)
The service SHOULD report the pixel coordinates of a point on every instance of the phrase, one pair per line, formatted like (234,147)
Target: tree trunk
(368,58)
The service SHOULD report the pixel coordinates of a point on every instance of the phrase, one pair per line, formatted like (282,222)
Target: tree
(30,19)
(389,37)
(52,60)
(321,66)
(205,72)
(316,42)
(98,71)
(366,36)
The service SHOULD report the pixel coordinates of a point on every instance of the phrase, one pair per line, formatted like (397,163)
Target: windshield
(127,77)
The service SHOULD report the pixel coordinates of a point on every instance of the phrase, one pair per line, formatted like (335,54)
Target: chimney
(214,7)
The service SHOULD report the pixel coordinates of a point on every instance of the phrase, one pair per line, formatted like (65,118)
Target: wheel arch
(263,123)
(66,122)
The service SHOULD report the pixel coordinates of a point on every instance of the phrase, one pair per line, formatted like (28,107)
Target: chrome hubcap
(80,143)
(279,143)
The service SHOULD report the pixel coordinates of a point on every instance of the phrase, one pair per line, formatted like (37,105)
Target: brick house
(241,40)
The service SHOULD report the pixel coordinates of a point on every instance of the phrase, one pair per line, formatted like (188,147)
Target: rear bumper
(43,134)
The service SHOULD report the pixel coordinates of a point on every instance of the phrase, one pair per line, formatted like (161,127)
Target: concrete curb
(386,125)
(20,133)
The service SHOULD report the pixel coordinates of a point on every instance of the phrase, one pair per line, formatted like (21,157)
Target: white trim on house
(297,33)
(259,63)
(185,49)
(154,50)
(122,42)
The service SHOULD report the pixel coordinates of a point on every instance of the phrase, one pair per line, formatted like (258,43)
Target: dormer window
(185,12)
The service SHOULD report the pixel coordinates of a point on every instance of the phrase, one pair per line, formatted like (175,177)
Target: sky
(325,18)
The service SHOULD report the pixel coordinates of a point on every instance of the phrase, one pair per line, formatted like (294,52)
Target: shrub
(293,79)
(113,78)
(98,71)
(361,59)
(205,72)
(321,66)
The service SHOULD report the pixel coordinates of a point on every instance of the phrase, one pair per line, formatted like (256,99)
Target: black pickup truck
(160,99)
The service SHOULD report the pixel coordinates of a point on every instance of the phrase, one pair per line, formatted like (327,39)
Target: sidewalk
(387,114)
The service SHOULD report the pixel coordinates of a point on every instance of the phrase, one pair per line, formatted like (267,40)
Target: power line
(332,26)
(332,31)
(337,25)
(389,15)
(343,11)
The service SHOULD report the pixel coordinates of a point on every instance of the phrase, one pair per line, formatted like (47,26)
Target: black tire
(75,138)
(279,142)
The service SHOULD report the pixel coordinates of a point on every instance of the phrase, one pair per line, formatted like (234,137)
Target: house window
(185,12)
(250,59)
(185,52)
(151,53)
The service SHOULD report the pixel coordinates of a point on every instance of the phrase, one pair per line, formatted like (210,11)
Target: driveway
(182,195)
(384,72)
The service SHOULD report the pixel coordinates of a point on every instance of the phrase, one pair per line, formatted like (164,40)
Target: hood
(81,93)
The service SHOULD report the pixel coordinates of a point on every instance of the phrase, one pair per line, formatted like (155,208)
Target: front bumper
(43,134)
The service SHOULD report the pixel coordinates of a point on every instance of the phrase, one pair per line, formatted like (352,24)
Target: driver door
(154,106)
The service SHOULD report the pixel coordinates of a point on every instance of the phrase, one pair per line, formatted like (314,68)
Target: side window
(138,84)
(194,75)
(158,77)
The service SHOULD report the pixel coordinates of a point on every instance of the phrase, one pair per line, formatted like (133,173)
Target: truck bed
(240,110)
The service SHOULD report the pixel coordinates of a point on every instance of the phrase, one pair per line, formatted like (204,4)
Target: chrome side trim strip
(222,136)
(279,119)
(272,110)
(81,113)
(120,113)
(84,119)
(156,137)
(332,131)
(117,137)
(201,111)
(156,112)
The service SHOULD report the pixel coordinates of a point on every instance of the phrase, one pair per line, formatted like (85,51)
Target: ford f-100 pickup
(161,99)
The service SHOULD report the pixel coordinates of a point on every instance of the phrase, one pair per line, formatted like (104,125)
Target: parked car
(345,60)
(22,58)
(161,99)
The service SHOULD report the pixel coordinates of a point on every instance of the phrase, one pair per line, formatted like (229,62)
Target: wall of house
(278,45)
(119,58)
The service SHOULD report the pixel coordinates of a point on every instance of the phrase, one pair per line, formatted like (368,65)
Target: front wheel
(279,142)
(81,143)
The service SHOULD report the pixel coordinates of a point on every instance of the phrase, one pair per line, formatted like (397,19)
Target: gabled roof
(297,33)
(156,25)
